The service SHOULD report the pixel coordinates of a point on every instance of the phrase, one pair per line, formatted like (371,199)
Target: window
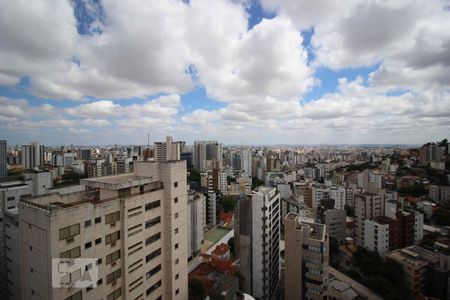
(99,261)
(176,215)
(177,276)
(175,184)
(99,282)
(98,241)
(69,231)
(112,217)
(10,199)
(152,255)
(87,223)
(88,245)
(153,238)
(76,296)
(152,222)
(176,230)
(177,291)
(110,258)
(153,271)
(176,246)
(153,288)
(175,200)
(114,295)
(152,205)
(72,253)
(113,276)
(98,220)
(88,267)
(177,261)
(89,288)
(111,238)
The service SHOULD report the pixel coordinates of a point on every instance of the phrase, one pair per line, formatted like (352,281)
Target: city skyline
(282,72)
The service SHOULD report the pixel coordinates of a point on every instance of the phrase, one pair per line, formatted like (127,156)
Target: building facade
(258,242)
(3,159)
(306,259)
(132,225)
(367,206)
(32,156)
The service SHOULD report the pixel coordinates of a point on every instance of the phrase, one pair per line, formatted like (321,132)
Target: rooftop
(116,182)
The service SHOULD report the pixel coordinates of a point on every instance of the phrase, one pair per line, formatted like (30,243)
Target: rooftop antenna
(148,139)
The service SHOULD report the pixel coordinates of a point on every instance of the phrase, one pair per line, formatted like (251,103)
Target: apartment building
(133,226)
(12,246)
(196,222)
(258,242)
(168,150)
(306,259)
(367,206)
(376,236)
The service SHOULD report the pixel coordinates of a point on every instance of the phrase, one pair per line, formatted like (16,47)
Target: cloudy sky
(241,72)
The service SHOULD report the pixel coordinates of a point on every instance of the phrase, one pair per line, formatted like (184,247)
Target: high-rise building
(11,218)
(335,221)
(207,155)
(430,152)
(370,182)
(367,206)
(196,222)
(258,242)
(3,159)
(132,225)
(247,160)
(376,236)
(32,156)
(168,150)
(306,259)
(85,154)
(211,213)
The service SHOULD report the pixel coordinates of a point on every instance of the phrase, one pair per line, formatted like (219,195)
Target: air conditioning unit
(114,282)
(69,240)
(113,263)
(113,224)
(113,244)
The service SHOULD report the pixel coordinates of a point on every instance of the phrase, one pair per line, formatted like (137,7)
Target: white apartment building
(132,225)
(258,240)
(223,183)
(376,236)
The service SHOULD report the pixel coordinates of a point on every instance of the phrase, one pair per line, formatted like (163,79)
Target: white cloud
(96,108)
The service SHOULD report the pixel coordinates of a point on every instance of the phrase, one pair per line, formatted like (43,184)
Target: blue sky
(282,72)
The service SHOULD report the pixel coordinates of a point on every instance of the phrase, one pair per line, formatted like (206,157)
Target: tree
(334,250)
(256,182)
(443,217)
(194,175)
(196,290)
(16,171)
(228,203)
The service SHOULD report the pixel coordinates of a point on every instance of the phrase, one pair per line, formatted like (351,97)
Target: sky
(102,72)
